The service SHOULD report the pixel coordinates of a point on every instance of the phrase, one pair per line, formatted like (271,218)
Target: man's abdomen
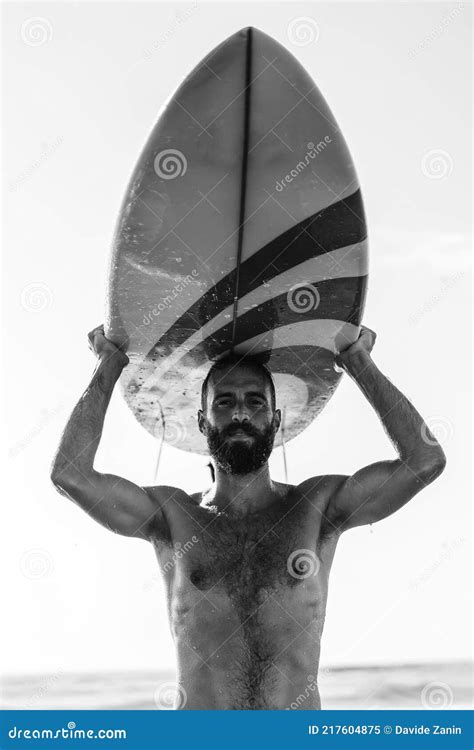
(263,656)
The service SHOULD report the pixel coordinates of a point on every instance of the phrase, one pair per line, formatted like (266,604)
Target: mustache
(234,428)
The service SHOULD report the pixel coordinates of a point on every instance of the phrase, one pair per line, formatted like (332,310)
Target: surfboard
(242,229)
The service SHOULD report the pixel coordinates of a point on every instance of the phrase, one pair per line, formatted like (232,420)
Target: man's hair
(229,361)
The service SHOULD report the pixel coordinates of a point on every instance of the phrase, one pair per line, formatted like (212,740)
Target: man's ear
(201,422)
(277,419)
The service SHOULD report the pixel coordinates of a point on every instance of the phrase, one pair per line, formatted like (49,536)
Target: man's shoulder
(320,490)
(163,493)
(167,501)
(321,487)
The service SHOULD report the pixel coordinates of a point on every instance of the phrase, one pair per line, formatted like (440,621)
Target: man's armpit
(162,497)
(321,492)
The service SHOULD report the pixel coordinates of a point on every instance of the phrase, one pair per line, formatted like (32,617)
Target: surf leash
(163,428)
(285,465)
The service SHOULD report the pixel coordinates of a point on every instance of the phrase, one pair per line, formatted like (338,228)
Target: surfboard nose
(257,35)
(246,30)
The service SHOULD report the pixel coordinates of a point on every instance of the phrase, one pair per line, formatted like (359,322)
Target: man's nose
(240,414)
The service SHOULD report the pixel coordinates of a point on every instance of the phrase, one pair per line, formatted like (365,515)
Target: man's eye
(257,402)
(223,402)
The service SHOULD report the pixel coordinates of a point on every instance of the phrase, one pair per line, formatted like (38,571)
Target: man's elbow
(65,481)
(433,467)
(60,471)
(62,482)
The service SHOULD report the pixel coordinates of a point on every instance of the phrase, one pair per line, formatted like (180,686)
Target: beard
(240,457)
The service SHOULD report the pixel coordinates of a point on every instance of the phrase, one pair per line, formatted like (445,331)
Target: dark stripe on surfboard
(243,178)
(311,364)
(349,294)
(339,225)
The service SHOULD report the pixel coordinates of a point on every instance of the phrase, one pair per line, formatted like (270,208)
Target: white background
(77,110)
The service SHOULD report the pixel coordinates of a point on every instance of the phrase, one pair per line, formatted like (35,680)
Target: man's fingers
(92,334)
(365,330)
(368,336)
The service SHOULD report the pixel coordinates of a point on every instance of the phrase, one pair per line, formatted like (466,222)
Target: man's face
(239,421)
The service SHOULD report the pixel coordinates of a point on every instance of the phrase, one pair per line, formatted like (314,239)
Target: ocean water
(414,686)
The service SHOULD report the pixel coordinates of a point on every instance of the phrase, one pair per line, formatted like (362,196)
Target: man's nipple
(200,578)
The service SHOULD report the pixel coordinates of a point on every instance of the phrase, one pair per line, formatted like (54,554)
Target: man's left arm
(378,490)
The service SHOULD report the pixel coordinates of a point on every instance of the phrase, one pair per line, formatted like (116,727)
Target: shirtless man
(247,592)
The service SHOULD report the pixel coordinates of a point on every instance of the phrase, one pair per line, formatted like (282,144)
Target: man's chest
(245,556)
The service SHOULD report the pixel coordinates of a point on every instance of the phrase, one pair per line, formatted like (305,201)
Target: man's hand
(105,349)
(363,346)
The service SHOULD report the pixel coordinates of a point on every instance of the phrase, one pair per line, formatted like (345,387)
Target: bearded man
(247,591)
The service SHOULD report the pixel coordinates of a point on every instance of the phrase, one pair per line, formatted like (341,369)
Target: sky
(82,86)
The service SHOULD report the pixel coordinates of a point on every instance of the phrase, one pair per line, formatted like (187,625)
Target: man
(246,564)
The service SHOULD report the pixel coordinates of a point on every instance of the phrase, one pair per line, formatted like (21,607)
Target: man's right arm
(114,502)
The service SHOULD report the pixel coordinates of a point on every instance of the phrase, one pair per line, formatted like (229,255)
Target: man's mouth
(240,434)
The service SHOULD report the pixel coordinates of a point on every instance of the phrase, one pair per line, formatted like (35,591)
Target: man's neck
(242,493)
